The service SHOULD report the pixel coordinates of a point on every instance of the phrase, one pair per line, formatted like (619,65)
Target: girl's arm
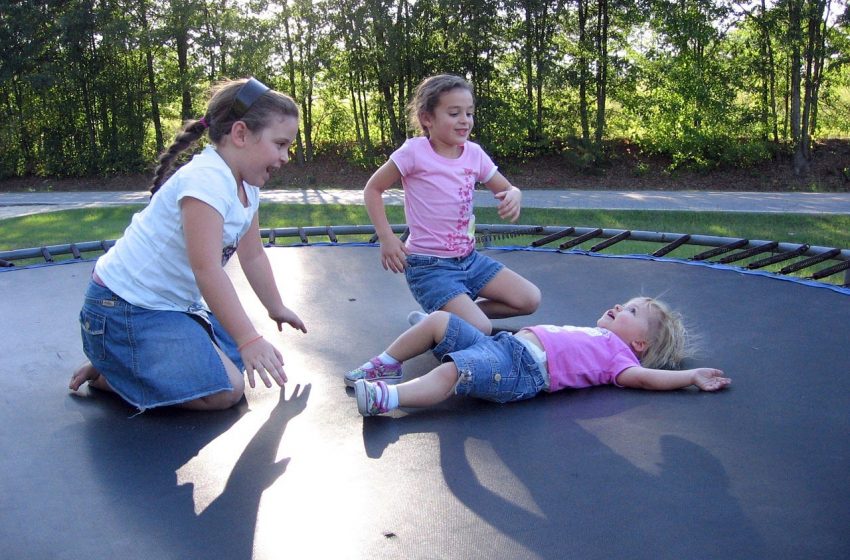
(707,379)
(509,196)
(255,264)
(393,250)
(202,228)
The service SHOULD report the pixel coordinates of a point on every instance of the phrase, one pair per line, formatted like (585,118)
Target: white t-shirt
(149,265)
(438,193)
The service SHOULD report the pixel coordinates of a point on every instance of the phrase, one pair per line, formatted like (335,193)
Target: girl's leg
(223,399)
(470,311)
(507,295)
(87,372)
(432,388)
(421,337)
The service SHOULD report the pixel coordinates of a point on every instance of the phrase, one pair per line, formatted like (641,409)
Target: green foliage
(95,88)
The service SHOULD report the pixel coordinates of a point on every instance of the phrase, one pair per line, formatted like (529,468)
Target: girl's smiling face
(630,322)
(267,150)
(451,121)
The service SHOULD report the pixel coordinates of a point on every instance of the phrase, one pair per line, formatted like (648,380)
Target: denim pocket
(421,260)
(93,328)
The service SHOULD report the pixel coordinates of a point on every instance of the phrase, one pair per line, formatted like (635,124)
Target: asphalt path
(21,204)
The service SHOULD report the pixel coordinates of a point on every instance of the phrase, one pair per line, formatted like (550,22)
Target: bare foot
(85,372)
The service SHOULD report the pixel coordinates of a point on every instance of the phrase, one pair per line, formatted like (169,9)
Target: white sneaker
(415,317)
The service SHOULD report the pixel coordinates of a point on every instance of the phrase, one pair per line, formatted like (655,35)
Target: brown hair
(219,118)
(427,96)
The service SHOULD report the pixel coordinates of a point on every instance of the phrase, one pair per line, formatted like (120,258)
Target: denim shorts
(496,368)
(154,358)
(434,281)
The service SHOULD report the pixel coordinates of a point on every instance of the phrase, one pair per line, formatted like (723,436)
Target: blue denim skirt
(496,368)
(434,281)
(154,358)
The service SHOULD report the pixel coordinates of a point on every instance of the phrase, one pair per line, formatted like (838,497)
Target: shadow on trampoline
(134,459)
(544,495)
(756,471)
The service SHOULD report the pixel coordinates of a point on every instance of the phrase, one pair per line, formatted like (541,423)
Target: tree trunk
(799,163)
(529,72)
(299,146)
(582,71)
(153,92)
(602,70)
(771,121)
(181,37)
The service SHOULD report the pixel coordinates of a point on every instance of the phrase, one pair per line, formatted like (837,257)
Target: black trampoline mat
(761,470)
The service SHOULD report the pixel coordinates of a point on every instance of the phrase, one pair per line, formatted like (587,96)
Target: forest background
(582,93)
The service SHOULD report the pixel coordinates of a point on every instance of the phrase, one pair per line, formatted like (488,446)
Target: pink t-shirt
(580,357)
(438,196)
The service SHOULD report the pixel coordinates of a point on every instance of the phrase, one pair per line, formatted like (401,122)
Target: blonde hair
(427,97)
(219,119)
(669,341)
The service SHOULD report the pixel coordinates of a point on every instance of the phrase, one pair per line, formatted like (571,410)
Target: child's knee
(231,398)
(530,300)
(438,319)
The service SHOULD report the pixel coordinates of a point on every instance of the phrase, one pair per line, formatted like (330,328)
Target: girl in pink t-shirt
(629,346)
(438,172)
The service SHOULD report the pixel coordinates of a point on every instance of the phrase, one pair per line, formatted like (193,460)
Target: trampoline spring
(303,235)
(811,261)
(486,238)
(779,257)
(6,264)
(737,244)
(553,237)
(823,273)
(46,254)
(272,237)
(405,234)
(580,239)
(749,252)
(75,251)
(373,239)
(106,245)
(483,238)
(672,246)
(332,234)
(611,241)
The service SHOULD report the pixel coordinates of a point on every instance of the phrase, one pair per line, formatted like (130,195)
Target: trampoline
(761,470)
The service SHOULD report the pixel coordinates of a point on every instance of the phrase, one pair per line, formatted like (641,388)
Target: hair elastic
(247,95)
(248,342)
(203,121)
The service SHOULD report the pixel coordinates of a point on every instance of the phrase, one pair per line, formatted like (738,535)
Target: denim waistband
(539,357)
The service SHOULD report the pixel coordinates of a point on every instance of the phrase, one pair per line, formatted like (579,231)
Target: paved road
(19,204)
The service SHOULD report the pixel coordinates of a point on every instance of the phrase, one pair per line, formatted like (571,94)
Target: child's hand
(263,358)
(393,254)
(511,201)
(710,379)
(286,315)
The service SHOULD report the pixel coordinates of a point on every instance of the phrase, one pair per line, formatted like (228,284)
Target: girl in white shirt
(162,323)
